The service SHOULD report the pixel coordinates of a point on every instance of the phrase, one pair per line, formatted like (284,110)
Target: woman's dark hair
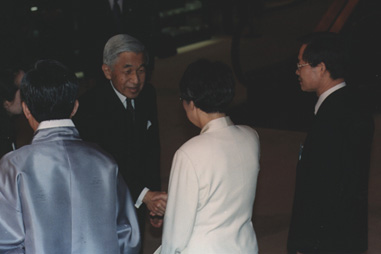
(49,90)
(210,85)
(328,48)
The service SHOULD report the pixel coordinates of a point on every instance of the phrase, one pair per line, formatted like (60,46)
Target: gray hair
(122,43)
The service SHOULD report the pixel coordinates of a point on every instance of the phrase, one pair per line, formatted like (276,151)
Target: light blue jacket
(62,195)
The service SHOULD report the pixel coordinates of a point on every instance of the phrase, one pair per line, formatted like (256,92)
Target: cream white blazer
(211,192)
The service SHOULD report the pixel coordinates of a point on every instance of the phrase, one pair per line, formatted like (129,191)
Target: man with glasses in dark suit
(331,193)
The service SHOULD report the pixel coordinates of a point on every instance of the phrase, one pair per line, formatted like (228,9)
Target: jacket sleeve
(12,234)
(182,205)
(127,223)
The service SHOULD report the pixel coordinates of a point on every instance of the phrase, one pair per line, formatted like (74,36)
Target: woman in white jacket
(214,175)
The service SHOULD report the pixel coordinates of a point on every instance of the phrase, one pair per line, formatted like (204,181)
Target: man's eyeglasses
(299,66)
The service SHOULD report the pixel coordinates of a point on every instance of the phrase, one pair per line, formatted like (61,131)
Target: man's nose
(134,78)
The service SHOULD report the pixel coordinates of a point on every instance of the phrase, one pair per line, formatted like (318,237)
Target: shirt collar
(121,97)
(120,3)
(55,123)
(324,95)
(218,123)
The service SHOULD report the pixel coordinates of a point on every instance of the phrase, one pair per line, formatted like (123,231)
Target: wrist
(140,200)
(147,196)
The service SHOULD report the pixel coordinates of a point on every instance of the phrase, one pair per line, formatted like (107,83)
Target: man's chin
(132,93)
(303,88)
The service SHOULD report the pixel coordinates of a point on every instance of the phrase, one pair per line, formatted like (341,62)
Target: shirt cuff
(139,202)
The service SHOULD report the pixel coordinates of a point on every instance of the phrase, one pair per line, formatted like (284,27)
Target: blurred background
(75,31)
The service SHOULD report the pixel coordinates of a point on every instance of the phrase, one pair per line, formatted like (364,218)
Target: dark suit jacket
(102,118)
(331,192)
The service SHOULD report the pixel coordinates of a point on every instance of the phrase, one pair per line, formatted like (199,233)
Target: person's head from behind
(49,92)
(209,86)
(9,92)
(322,55)
(124,63)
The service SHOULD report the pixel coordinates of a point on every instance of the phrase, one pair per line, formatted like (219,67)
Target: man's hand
(156,202)
(156,221)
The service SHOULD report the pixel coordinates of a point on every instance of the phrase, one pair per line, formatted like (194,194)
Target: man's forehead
(136,66)
(131,59)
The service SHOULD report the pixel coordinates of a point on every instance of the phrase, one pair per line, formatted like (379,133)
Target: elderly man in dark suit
(121,116)
(330,203)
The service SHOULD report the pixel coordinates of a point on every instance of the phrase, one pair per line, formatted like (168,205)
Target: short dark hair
(210,85)
(328,48)
(49,90)
(8,88)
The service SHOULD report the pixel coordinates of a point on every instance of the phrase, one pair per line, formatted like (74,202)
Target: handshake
(156,203)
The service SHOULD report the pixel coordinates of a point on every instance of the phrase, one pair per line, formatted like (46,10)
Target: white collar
(55,123)
(120,3)
(217,123)
(122,98)
(324,95)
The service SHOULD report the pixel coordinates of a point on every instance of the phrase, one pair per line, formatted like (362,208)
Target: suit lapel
(113,102)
